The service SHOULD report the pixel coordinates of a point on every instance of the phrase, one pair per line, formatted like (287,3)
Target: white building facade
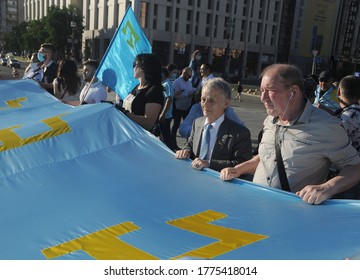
(238,37)
(37,9)
(11,13)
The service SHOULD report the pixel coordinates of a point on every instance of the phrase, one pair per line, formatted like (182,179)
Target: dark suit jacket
(232,146)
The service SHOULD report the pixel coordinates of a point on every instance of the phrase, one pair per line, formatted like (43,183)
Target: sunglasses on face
(324,80)
(135,64)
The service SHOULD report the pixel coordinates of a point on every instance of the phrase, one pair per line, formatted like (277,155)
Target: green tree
(58,23)
(59,27)
(36,35)
(14,39)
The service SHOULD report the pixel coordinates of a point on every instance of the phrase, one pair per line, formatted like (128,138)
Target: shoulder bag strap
(279,162)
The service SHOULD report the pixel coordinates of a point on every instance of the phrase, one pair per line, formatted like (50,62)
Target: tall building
(239,37)
(37,9)
(346,48)
(313,34)
(11,14)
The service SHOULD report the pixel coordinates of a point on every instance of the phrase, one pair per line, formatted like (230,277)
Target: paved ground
(250,110)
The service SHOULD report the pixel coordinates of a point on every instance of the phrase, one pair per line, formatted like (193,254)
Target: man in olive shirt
(309,138)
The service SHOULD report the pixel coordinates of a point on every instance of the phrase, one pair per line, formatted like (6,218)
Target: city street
(250,110)
(5,71)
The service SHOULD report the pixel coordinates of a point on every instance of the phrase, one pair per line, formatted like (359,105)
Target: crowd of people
(303,138)
(309,144)
(62,80)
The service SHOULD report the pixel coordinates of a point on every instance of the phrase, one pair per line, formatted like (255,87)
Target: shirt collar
(47,65)
(306,114)
(93,84)
(216,124)
(303,118)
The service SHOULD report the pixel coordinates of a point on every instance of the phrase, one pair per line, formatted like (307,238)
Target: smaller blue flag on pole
(116,67)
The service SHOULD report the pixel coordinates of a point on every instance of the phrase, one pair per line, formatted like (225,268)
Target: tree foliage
(58,23)
(55,27)
(36,34)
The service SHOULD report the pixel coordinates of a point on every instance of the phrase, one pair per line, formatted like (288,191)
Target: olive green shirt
(309,146)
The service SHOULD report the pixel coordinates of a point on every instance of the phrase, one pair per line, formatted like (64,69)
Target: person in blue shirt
(194,64)
(326,93)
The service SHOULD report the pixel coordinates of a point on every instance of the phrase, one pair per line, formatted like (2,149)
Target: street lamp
(73,26)
(314,53)
(230,26)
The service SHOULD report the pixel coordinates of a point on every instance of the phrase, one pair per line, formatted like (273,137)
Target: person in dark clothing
(144,103)
(46,56)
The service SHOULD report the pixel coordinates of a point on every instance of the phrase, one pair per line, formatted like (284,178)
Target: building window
(189,13)
(155,9)
(207,32)
(144,15)
(208,18)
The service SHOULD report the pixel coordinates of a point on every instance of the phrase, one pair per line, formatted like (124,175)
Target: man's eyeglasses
(323,80)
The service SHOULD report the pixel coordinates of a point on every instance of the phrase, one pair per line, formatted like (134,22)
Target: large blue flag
(88,183)
(116,67)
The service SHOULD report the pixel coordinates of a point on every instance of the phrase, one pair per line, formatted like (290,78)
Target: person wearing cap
(326,93)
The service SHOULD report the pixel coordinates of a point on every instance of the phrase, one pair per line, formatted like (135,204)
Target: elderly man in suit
(216,141)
